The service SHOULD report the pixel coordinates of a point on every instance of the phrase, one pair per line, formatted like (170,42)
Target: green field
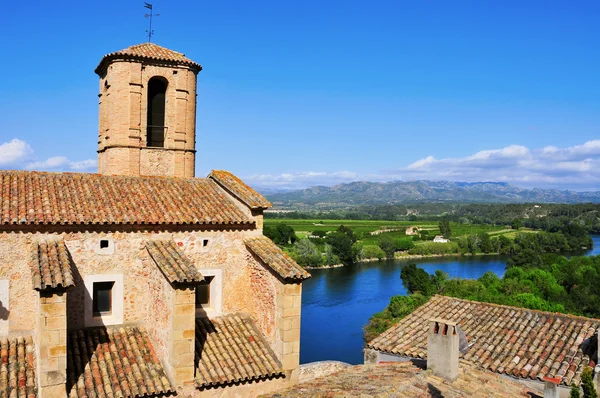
(365,227)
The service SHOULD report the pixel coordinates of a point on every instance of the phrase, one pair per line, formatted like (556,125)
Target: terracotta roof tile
(403,379)
(277,259)
(249,196)
(51,266)
(172,262)
(149,51)
(514,341)
(17,367)
(76,198)
(229,349)
(118,362)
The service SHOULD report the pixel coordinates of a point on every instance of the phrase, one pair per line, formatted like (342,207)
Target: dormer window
(155,134)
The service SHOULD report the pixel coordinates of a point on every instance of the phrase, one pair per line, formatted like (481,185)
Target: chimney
(551,387)
(442,348)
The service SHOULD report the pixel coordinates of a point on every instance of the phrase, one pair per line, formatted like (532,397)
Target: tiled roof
(249,196)
(405,380)
(76,198)
(149,51)
(17,367)
(229,349)
(114,362)
(514,341)
(51,266)
(277,259)
(172,262)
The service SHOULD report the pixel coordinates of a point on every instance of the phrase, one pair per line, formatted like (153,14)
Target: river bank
(338,302)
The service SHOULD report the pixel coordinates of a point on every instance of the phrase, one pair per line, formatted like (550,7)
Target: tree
(444,226)
(575,391)
(405,244)
(587,383)
(371,251)
(516,223)
(281,234)
(330,257)
(341,246)
(346,230)
(416,280)
(307,253)
(485,244)
(388,245)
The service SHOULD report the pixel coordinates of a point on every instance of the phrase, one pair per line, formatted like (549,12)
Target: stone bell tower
(147,112)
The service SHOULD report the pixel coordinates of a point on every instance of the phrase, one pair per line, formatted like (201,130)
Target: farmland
(397,228)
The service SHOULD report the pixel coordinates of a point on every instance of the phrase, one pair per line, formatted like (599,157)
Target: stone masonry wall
(287,318)
(184,336)
(51,341)
(123,121)
(14,267)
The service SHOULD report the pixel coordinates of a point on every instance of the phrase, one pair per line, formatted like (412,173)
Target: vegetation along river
(338,302)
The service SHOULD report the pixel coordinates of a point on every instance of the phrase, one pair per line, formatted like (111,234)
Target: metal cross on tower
(150,31)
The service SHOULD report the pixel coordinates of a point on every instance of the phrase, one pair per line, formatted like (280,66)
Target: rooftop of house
(43,198)
(276,259)
(231,350)
(513,341)
(404,379)
(116,361)
(149,51)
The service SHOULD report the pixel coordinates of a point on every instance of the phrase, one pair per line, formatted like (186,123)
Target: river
(338,302)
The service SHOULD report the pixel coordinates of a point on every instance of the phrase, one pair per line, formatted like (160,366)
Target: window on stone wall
(102,298)
(157,90)
(209,292)
(203,292)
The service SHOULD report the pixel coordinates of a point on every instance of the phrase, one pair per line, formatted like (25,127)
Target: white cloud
(576,167)
(14,151)
(61,163)
(300,180)
(17,153)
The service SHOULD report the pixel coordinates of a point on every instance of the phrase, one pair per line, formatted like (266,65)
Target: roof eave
(109,58)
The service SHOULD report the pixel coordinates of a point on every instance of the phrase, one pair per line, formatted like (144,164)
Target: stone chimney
(551,387)
(442,348)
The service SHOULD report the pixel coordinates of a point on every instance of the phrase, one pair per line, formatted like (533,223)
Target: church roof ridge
(148,51)
(47,198)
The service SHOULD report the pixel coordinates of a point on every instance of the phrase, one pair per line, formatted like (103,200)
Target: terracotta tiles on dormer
(231,350)
(51,266)
(517,342)
(38,198)
(172,262)
(249,196)
(275,258)
(114,362)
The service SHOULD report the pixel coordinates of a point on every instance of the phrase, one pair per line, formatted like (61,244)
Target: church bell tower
(147,112)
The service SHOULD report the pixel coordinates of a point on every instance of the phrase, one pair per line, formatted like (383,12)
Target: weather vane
(150,31)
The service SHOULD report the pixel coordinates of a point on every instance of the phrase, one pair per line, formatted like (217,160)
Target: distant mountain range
(377,193)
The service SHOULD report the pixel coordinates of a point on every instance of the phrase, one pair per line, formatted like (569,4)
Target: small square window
(103,243)
(102,298)
(204,242)
(203,292)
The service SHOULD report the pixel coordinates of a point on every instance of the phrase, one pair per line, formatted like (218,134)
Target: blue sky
(321,92)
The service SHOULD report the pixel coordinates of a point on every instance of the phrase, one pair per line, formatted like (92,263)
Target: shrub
(371,251)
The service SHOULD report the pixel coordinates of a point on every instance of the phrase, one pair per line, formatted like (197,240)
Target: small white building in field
(440,239)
